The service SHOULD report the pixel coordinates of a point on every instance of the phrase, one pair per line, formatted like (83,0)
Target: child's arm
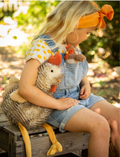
(85,88)
(34,95)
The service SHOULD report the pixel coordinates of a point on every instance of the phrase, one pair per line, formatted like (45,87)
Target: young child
(76,109)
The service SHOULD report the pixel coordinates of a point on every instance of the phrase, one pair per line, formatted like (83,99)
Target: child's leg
(86,120)
(112,114)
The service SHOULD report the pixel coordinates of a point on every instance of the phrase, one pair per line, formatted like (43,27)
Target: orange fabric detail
(67,47)
(70,51)
(56,59)
(96,18)
(53,89)
(66,56)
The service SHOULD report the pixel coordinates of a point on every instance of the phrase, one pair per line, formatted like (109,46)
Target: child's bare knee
(101,126)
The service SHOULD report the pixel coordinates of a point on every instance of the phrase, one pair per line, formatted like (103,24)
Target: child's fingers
(67,103)
(72,102)
(84,96)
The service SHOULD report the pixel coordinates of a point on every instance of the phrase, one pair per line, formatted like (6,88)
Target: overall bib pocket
(73,74)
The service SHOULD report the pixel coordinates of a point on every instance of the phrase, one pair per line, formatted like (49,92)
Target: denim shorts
(59,118)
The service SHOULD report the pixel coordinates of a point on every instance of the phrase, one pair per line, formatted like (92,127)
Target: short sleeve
(39,50)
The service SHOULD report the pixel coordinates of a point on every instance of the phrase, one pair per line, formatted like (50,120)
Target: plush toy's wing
(15,96)
(12,82)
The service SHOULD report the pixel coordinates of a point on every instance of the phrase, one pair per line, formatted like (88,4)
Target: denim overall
(69,87)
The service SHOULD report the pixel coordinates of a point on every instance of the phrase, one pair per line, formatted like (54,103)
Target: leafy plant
(109,41)
(36,13)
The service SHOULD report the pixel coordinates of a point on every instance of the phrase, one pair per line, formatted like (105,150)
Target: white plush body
(30,115)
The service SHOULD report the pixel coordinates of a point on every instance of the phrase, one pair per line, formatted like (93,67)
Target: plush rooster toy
(71,56)
(29,116)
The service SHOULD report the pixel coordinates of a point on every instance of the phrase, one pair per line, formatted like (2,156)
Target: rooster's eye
(52,71)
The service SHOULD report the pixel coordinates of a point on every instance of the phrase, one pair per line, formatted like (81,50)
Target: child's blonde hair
(64,18)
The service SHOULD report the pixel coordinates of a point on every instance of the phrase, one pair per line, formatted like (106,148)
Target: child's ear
(15,96)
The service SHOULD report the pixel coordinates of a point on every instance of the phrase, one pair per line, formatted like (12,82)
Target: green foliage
(36,13)
(34,18)
(109,41)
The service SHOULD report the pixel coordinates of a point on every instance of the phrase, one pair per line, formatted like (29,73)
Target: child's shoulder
(39,50)
(40,43)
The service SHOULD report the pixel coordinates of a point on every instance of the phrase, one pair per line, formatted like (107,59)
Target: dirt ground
(104,80)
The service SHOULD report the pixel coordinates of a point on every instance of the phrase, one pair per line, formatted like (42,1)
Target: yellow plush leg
(56,145)
(26,139)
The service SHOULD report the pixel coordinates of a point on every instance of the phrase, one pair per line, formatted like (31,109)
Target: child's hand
(85,92)
(65,103)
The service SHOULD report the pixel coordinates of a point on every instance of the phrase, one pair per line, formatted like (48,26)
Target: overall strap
(49,42)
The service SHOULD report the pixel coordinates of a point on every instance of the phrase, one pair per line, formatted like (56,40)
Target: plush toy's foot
(26,139)
(56,147)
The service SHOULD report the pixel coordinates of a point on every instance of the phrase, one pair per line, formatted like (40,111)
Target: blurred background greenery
(104,44)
